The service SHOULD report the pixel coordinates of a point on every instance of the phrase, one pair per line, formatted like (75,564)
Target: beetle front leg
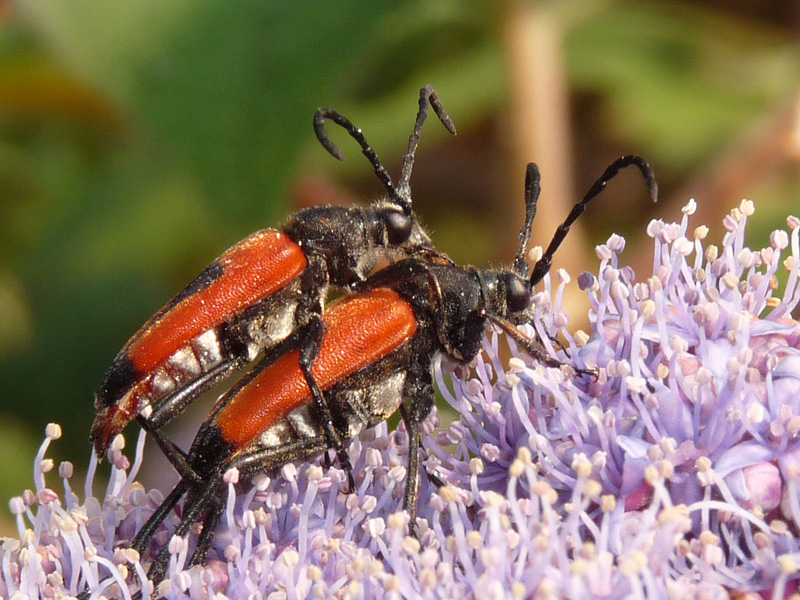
(310,335)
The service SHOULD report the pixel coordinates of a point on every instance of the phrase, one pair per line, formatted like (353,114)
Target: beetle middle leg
(309,350)
(421,399)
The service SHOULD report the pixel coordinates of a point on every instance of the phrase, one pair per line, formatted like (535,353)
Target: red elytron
(183,342)
(359,330)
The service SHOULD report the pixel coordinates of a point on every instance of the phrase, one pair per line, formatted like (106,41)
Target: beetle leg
(173,405)
(206,500)
(194,507)
(344,462)
(309,351)
(327,461)
(412,477)
(422,398)
(175,455)
(143,537)
(528,345)
(210,523)
(262,459)
(435,479)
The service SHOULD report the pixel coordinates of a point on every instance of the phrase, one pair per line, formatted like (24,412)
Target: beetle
(376,356)
(257,293)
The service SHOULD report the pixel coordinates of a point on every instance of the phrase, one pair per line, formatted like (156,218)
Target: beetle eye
(518,295)
(398,227)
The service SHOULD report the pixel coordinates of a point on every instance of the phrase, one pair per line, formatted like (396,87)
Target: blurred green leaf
(16,455)
(682,81)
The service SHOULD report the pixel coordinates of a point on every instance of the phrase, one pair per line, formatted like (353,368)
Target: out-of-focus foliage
(682,79)
(138,140)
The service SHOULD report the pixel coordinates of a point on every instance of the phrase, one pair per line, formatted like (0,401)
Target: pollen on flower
(789,564)
(53,431)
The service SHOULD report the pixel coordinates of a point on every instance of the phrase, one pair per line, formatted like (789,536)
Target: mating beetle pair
(325,374)
(257,293)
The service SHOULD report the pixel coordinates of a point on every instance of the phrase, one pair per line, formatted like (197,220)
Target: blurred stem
(539,130)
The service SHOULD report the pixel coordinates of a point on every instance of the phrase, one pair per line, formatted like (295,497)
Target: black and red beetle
(376,355)
(258,292)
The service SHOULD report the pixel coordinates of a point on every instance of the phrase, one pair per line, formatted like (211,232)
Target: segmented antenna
(543,265)
(427,98)
(533,188)
(358,136)
(401,194)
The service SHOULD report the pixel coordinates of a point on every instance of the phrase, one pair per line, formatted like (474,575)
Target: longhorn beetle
(376,355)
(258,292)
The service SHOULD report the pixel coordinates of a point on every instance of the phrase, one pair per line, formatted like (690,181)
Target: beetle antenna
(543,265)
(428,98)
(400,194)
(358,136)
(533,188)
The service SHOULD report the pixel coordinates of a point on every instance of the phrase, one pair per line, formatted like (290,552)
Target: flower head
(661,461)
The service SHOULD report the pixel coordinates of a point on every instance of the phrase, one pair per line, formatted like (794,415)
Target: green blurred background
(138,140)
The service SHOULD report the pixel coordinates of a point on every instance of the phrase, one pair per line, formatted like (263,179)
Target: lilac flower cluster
(663,462)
